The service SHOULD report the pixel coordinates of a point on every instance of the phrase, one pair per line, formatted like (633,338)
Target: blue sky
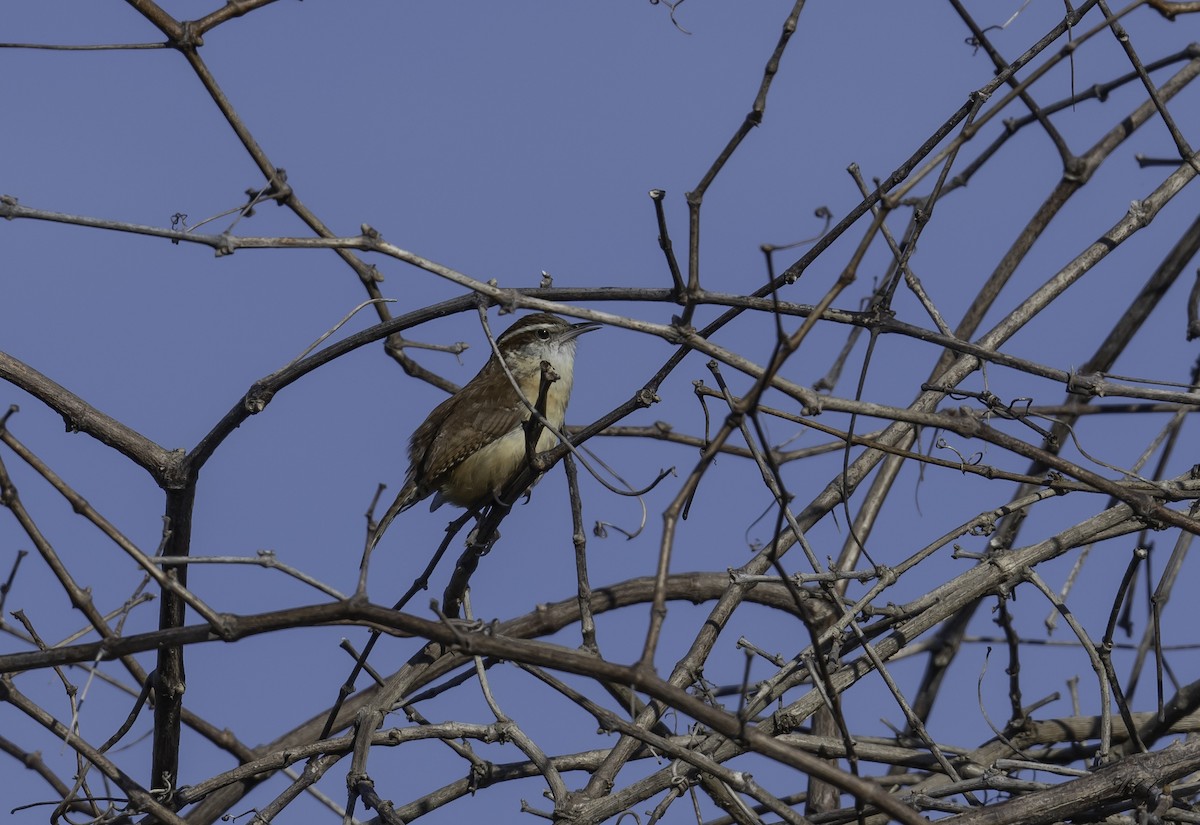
(504,141)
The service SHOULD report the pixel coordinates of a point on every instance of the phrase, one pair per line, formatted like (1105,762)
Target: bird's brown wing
(448,447)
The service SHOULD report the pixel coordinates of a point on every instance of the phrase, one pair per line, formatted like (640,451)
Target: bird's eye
(544,334)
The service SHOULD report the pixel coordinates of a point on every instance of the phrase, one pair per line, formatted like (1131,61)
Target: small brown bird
(473,443)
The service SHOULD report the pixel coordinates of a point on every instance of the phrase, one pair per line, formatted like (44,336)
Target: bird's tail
(409,495)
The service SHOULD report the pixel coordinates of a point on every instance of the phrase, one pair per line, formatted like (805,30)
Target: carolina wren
(473,443)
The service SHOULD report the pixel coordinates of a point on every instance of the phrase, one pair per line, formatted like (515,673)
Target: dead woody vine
(682,723)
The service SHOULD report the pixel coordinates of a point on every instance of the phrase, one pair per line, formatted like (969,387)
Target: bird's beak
(579,329)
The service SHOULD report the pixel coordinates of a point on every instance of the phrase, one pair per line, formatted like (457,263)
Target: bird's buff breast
(481,477)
